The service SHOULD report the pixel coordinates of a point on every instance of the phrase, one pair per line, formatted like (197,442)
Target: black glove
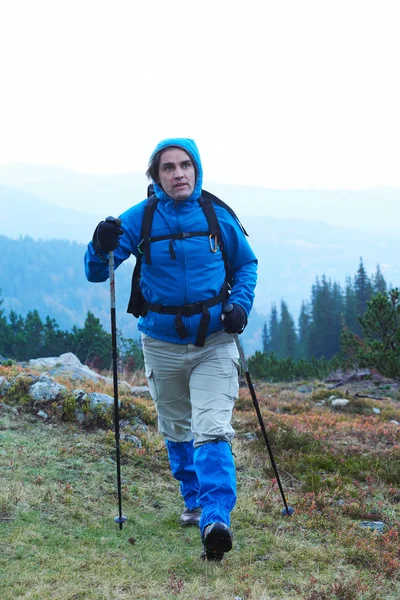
(107,234)
(234,318)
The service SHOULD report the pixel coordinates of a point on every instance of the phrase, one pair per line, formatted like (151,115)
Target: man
(191,359)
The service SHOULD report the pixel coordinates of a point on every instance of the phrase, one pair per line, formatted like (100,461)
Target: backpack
(138,306)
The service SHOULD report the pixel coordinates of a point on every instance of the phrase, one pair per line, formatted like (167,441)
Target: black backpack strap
(208,195)
(144,244)
(209,212)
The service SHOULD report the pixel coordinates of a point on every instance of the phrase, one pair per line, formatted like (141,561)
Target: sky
(284,94)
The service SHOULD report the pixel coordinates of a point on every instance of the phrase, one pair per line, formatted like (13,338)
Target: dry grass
(58,500)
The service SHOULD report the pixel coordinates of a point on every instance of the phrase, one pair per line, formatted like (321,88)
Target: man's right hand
(107,234)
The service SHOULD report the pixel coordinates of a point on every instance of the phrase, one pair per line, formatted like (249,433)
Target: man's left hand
(234,318)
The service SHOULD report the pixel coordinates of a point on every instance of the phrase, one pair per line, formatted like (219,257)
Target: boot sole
(218,540)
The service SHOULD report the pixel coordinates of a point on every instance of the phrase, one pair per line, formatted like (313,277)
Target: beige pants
(193,388)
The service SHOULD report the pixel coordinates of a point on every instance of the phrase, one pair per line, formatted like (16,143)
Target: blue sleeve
(96,265)
(242,261)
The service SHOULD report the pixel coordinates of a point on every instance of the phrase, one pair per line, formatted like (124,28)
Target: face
(176,173)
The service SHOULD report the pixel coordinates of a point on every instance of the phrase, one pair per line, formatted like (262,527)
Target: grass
(58,500)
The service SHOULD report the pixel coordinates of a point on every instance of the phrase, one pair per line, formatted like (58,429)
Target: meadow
(340,470)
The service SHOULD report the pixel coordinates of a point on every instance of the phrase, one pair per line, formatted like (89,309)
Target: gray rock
(4,385)
(248,436)
(376,411)
(46,390)
(340,402)
(42,414)
(100,401)
(394,422)
(31,377)
(8,408)
(79,416)
(67,364)
(373,525)
(79,395)
(140,390)
(67,359)
(131,438)
(305,389)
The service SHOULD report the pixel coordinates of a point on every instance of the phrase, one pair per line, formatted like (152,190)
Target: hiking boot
(190,516)
(217,539)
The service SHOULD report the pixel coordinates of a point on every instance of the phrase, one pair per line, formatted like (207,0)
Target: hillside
(338,466)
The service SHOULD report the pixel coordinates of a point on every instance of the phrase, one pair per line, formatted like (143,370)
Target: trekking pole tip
(121,519)
(287,512)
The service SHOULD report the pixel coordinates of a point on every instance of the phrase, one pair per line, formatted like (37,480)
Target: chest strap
(188,310)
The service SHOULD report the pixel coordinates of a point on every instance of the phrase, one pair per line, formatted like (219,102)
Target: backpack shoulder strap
(144,245)
(216,200)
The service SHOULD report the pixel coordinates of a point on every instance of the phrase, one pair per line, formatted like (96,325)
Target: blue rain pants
(207,477)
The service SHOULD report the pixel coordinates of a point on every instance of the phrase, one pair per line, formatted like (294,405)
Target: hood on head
(190,147)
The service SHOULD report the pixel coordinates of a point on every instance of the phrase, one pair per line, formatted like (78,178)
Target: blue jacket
(197,273)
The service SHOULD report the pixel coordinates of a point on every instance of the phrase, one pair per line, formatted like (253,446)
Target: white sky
(282,93)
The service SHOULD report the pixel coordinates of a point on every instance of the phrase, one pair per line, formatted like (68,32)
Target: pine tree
(34,335)
(325,328)
(274,330)
(304,331)
(4,330)
(93,343)
(350,310)
(381,327)
(378,282)
(287,334)
(265,339)
(363,290)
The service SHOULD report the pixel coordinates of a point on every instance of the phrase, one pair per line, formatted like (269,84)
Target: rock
(4,385)
(46,390)
(138,425)
(140,390)
(373,525)
(394,422)
(376,411)
(321,403)
(340,402)
(131,438)
(100,401)
(79,416)
(248,436)
(30,377)
(305,389)
(67,364)
(42,414)
(332,397)
(8,408)
(79,395)
(67,359)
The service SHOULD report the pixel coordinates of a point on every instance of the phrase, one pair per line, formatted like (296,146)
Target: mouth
(179,185)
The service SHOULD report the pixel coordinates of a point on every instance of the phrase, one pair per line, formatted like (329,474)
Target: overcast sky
(285,94)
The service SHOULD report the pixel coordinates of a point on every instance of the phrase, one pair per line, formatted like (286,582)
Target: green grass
(58,500)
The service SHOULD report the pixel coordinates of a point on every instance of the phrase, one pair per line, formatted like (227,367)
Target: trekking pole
(120,519)
(288,510)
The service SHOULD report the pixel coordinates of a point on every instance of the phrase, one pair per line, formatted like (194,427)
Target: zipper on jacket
(183,258)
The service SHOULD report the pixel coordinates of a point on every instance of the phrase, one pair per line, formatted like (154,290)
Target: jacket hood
(190,147)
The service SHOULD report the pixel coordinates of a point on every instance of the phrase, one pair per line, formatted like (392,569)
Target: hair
(154,163)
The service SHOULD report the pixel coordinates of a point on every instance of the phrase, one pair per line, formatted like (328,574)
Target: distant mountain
(52,203)
(49,276)
(373,210)
(22,213)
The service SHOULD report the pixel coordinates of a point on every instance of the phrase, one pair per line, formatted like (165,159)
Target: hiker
(194,288)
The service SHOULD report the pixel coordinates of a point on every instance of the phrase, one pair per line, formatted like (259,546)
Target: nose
(178,173)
